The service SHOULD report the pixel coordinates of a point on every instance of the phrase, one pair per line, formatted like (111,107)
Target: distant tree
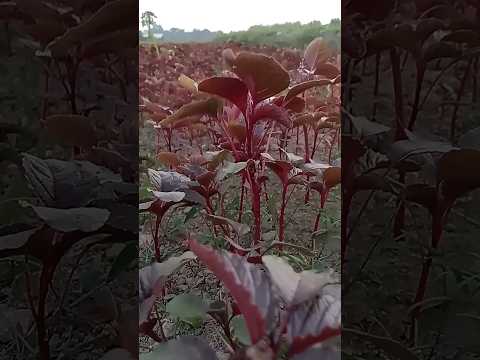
(148,21)
(157,28)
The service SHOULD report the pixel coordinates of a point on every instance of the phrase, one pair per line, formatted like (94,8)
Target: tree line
(294,34)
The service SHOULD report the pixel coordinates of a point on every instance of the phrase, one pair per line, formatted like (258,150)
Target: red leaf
(281,169)
(316,53)
(237,130)
(272,112)
(228,56)
(228,88)
(249,287)
(316,321)
(263,74)
(302,87)
(201,107)
(206,179)
(296,104)
(235,309)
(332,176)
(327,70)
(171,158)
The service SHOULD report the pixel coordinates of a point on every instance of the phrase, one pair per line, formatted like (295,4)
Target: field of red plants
(239,192)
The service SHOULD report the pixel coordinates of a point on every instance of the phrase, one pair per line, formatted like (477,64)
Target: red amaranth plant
(247,128)
(300,313)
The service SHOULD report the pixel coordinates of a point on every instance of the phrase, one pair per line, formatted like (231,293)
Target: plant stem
(256,199)
(346,203)
(453,122)
(475,81)
(314,146)
(323,199)
(281,220)
(8,39)
(378,57)
(156,240)
(307,193)
(418,90)
(399,222)
(42,335)
(242,199)
(332,145)
(397,87)
(305,133)
(159,212)
(437,231)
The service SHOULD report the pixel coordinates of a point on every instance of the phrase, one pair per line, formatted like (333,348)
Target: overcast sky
(238,15)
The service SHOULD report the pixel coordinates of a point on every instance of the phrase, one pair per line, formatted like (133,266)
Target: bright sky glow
(238,15)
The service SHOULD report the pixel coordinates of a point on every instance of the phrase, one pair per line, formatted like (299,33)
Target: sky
(237,15)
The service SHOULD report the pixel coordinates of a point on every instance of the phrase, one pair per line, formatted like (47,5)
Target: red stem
(256,198)
(323,199)
(307,193)
(418,89)
(332,145)
(314,146)
(346,202)
(242,197)
(281,221)
(453,122)
(42,336)
(159,212)
(305,133)
(399,223)
(437,230)
(156,240)
(317,222)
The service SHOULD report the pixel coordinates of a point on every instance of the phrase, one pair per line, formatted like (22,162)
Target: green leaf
(71,184)
(184,348)
(416,145)
(90,278)
(230,169)
(13,321)
(189,308)
(239,328)
(194,210)
(17,240)
(122,216)
(367,128)
(469,140)
(122,262)
(76,219)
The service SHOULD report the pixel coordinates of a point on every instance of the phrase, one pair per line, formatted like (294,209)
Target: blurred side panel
(68,179)
(411,156)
